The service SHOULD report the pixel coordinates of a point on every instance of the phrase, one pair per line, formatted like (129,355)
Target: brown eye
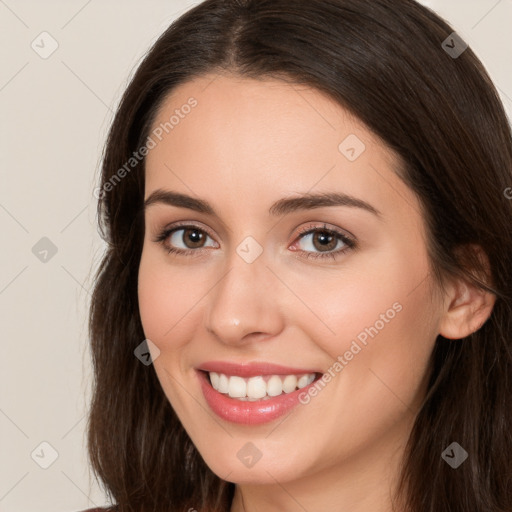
(184,239)
(193,236)
(322,242)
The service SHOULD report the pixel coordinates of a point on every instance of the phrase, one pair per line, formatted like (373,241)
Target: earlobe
(467,308)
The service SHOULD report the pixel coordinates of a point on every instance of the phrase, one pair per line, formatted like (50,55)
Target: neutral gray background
(54,116)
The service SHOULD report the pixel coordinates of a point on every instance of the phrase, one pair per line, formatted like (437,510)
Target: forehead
(255,112)
(226,135)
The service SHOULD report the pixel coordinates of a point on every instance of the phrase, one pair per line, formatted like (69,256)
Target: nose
(244,305)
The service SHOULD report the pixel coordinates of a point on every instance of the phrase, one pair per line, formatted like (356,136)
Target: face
(337,290)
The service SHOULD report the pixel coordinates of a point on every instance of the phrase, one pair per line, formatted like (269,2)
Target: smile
(255,393)
(260,387)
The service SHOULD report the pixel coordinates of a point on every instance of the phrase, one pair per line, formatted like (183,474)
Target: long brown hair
(385,61)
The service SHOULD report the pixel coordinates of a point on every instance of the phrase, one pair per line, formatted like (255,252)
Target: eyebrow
(281,207)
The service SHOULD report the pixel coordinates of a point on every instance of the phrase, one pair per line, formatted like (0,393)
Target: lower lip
(245,412)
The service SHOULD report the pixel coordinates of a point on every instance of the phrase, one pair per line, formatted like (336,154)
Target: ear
(467,307)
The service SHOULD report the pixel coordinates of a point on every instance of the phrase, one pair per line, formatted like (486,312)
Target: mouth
(260,387)
(253,394)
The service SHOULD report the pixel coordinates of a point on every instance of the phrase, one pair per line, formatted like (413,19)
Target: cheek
(166,301)
(378,324)
(364,297)
(377,373)
(166,306)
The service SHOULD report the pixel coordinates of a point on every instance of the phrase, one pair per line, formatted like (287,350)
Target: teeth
(215,377)
(274,386)
(303,382)
(289,383)
(237,387)
(223,384)
(258,388)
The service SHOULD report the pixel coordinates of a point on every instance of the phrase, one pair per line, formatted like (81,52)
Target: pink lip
(250,413)
(252,369)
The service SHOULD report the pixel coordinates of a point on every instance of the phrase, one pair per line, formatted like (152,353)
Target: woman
(308,228)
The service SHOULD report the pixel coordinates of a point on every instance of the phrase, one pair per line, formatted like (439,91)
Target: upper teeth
(255,388)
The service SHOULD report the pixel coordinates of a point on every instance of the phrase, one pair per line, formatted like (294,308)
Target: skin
(246,144)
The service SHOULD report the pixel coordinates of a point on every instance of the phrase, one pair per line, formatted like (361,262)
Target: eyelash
(349,242)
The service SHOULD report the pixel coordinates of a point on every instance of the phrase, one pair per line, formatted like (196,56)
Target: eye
(190,236)
(325,240)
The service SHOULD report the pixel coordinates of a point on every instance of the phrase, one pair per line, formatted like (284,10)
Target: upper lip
(252,369)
